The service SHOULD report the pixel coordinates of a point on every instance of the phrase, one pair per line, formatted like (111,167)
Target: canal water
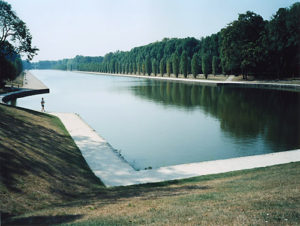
(159,123)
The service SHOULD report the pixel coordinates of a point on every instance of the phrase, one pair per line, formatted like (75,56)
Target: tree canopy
(14,31)
(15,40)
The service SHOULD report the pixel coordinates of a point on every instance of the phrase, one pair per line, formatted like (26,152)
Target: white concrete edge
(114,171)
(193,80)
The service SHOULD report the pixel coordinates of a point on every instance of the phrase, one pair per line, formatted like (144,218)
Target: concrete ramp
(31,82)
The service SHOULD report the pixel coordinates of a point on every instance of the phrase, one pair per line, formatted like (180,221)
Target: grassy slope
(39,162)
(45,179)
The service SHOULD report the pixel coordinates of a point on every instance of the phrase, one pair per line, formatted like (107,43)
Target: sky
(66,28)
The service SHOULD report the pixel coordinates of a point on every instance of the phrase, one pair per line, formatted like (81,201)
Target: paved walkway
(31,82)
(106,164)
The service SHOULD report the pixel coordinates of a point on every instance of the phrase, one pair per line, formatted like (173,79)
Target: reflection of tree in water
(243,113)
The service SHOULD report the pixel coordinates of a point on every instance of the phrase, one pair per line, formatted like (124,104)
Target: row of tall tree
(249,45)
(15,39)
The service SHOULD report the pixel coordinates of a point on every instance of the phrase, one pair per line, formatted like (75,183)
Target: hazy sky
(66,28)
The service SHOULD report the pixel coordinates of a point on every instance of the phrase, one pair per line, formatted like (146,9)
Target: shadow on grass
(36,146)
(106,196)
(39,220)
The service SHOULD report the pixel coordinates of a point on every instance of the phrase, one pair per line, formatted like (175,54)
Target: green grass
(251,197)
(45,180)
(39,162)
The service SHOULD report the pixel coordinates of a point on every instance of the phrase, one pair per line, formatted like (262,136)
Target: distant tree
(148,65)
(116,67)
(154,67)
(189,66)
(175,64)
(283,42)
(130,68)
(239,41)
(144,68)
(215,65)
(134,68)
(112,66)
(162,67)
(183,64)
(168,66)
(205,65)
(138,67)
(195,65)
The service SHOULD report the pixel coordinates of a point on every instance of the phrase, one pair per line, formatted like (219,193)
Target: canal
(159,123)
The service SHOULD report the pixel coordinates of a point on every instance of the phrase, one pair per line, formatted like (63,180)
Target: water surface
(159,123)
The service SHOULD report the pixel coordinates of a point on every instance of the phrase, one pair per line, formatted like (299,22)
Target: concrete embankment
(31,86)
(227,83)
(115,171)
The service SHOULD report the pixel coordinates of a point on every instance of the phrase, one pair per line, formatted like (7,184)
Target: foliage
(148,65)
(10,64)
(241,48)
(205,65)
(14,31)
(154,67)
(169,71)
(283,42)
(15,39)
(184,64)
(175,64)
(162,67)
(215,65)
(195,65)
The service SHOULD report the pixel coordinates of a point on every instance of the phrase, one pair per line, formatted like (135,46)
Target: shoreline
(113,170)
(212,82)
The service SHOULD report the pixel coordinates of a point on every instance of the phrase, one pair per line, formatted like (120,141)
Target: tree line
(249,45)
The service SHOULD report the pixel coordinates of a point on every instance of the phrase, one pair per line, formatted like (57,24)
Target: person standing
(43,104)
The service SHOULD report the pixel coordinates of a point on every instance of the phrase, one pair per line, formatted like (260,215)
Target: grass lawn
(45,180)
